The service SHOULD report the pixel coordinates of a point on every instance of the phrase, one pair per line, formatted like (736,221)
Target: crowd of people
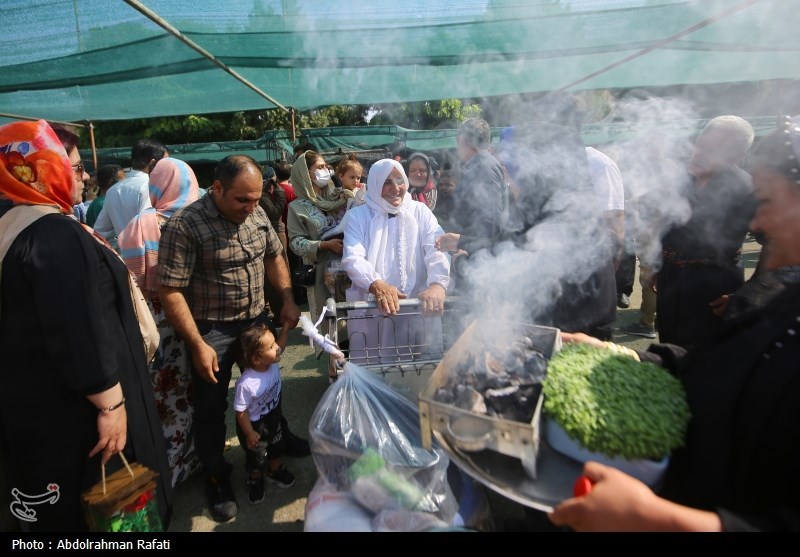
(534,225)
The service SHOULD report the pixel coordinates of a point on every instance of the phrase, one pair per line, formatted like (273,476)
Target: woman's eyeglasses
(394,182)
(78,168)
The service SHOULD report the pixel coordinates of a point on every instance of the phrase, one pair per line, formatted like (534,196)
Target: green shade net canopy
(78,60)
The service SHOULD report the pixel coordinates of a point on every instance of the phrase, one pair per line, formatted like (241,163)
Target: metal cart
(409,345)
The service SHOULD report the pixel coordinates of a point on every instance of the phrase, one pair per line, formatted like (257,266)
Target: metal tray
(503,474)
(470,432)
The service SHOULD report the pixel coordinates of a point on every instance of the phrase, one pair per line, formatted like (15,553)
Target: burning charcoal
(514,363)
(494,365)
(517,402)
(501,400)
(526,343)
(495,382)
(470,399)
(527,397)
(503,380)
(518,414)
(536,366)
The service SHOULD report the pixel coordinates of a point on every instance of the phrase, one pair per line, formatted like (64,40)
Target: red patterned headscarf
(34,167)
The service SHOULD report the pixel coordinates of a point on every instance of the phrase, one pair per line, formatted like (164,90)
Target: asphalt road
(283,510)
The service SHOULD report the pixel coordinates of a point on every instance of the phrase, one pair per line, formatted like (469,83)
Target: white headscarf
(407,226)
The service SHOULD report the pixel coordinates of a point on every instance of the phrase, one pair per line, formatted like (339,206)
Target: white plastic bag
(329,510)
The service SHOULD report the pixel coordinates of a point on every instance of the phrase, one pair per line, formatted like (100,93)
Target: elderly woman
(420,179)
(75,390)
(738,467)
(173,186)
(389,254)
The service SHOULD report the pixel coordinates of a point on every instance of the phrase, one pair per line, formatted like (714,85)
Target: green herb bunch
(614,405)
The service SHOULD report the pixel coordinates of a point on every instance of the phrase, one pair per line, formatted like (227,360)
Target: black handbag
(304,275)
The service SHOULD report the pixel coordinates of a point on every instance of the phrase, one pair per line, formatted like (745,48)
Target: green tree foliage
(233,126)
(442,114)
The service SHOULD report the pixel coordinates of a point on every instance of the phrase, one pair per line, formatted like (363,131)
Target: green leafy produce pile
(613,404)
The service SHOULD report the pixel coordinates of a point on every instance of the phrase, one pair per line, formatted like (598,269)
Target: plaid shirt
(220,265)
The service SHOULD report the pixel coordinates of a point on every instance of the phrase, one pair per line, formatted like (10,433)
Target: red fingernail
(582,486)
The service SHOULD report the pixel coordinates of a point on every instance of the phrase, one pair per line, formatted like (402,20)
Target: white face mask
(322,176)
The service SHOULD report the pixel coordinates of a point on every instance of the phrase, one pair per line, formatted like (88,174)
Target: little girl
(257,402)
(349,171)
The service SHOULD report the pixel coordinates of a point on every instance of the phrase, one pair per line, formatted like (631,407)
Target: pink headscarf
(173,186)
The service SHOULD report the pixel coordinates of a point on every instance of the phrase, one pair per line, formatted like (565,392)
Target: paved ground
(283,510)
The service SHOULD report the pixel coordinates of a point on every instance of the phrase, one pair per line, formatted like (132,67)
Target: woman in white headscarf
(389,254)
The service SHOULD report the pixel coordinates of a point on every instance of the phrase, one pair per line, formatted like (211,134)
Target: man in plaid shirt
(214,257)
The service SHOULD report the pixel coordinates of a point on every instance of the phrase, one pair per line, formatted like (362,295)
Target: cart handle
(333,307)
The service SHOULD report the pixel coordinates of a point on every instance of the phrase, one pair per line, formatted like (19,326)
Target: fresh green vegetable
(614,405)
(371,465)
(368,463)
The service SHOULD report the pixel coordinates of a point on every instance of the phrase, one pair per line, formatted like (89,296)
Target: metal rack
(404,349)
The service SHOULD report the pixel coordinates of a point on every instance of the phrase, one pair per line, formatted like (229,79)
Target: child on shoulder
(349,172)
(257,403)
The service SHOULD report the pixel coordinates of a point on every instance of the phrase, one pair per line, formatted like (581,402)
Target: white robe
(386,339)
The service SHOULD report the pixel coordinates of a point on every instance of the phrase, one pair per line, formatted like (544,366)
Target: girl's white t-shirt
(258,392)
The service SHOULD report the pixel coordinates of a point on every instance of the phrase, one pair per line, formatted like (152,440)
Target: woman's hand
(336,245)
(617,502)
(386,296)
(112,431)
(432,300)
(447,241)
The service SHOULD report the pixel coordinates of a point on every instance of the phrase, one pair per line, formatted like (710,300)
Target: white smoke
(568,241)
(653,164)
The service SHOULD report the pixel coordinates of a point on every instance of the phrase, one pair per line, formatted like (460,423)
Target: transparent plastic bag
(365,440)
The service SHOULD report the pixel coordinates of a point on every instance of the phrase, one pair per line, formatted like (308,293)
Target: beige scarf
(331,199)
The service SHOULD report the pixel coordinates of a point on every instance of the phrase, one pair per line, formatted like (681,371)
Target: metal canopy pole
(158,20)
(94,148)
(705,23)
(33,119)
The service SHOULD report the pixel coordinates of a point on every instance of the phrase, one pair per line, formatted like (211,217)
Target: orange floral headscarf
(34,167)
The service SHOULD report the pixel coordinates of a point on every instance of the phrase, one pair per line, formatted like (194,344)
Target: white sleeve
(607,182)
(356,243)
(241,397)
(144,201)
(103,225)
